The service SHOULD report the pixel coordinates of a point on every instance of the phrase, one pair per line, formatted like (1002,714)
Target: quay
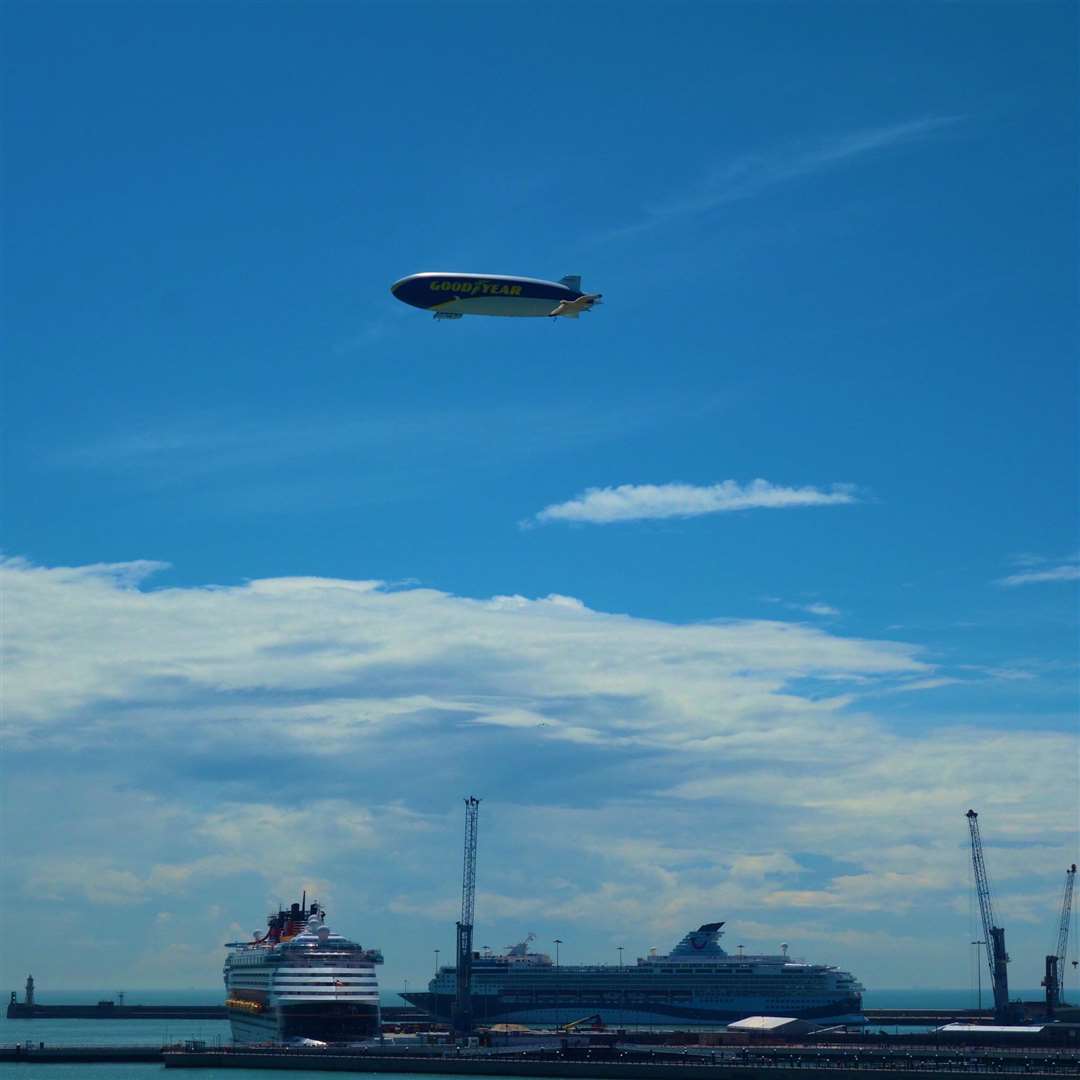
(761,1063)
(620,1062)
(1033,1012)
(925,1017)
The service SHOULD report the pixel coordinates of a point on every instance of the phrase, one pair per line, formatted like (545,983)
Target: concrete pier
(759,1064)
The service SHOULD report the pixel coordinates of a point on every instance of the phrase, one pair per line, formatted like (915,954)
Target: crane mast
(1055,964)
(996,956)
(463,1019)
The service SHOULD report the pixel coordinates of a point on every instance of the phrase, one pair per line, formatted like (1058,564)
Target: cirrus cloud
(1065,572)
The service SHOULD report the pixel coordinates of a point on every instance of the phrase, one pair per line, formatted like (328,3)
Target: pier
(618,1061)
(638,1064)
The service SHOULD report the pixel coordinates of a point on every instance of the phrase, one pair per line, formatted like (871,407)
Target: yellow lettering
(515,290)
(436,285)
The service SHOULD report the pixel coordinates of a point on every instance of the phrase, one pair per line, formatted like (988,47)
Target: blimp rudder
(571,281)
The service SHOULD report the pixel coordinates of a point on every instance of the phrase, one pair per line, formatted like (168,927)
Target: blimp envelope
(450,295)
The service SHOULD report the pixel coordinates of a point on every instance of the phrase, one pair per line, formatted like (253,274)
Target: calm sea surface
(213,1032)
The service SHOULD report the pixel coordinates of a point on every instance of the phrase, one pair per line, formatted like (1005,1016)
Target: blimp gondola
(452,295)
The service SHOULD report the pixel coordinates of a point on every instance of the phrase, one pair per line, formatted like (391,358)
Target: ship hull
(325,1021)
(493,1009)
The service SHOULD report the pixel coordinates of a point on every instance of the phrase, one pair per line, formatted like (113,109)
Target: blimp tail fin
(571,281)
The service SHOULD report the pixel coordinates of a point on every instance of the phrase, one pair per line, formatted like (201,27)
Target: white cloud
(347,658)
(825,610)
(635,502)
(816,607)
(177,748)
(923,684)
(1065,572)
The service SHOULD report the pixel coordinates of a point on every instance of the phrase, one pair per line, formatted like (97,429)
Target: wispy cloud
(1031,577)
(814,607)
(287,461)
(750,174)
(1036,571)
(635,502)
(825,610)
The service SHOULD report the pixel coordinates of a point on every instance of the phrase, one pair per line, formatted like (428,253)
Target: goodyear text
(476,288)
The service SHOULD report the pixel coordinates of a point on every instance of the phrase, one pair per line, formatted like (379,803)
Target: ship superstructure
(696,984)
(300,980)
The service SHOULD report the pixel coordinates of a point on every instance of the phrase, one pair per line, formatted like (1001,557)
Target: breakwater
(109,1010)
(81,1055)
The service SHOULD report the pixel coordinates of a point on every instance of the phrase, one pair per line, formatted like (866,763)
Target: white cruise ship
(696,984)
(301,981)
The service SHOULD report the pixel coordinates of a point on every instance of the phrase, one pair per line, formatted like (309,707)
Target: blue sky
(728,598)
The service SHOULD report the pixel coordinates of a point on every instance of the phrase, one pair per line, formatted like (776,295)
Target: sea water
(216,1032)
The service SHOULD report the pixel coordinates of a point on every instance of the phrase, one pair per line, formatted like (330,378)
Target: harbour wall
(19,1010)
(557,1069)
(760,1063)
(80,1055)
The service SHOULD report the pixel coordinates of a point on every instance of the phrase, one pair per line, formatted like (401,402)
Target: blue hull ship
(696,984)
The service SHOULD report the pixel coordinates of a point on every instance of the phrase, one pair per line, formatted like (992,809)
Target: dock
(620,1062)
(1033,1012)
(762,1063)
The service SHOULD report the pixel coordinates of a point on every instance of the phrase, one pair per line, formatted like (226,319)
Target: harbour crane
(1055,964)
(462,1017)
(996,956)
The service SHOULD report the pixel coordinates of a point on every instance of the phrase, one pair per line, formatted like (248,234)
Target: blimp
(452,295)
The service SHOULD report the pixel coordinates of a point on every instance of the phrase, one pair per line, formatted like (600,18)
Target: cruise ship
(301,981)
(696,984)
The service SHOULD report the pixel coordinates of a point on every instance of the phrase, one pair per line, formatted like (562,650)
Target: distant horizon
(1039,994)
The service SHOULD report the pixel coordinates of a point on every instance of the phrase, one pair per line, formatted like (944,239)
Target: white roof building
(773,1025)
